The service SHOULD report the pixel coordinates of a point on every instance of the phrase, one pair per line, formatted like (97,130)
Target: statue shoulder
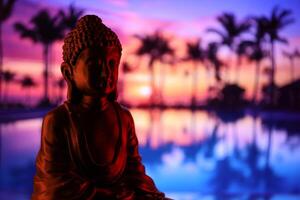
(55,117)
(126,114)
(125,110)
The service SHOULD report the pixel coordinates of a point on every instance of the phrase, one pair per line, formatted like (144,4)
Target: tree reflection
(252,157)
(210,142)
(191,150)
(226,175)
(149,153)
(272,182)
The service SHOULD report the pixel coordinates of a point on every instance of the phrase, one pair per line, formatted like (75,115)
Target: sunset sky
(180,21)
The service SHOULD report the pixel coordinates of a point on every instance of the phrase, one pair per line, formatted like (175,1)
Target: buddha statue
(89,148)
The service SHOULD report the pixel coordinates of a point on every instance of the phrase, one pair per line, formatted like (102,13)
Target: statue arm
(53,179)
(135,170)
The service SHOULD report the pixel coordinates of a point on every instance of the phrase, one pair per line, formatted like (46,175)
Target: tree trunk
(46,72)
(153,88)
(208,81)
(162,84)
(194,85)
(237,74)
(273,64)
(4,92)
(1,62)
(292,69)
(256,82)
(273,73)
(28,97)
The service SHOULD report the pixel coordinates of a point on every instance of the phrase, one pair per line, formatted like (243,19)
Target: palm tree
(255,51)
(232,30)
(213,60)
(6,8)
(257,55)
(297,53)
(28,82)
(45,30)
(196,54)
(279,19)
(291,56)
(8,77)
(69,19)
(156,48)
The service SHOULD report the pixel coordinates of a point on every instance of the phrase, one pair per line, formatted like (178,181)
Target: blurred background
(213,86)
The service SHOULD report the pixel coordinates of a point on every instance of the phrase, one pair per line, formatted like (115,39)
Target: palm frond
(45,29)
(213,30)
(6,9)
(70,17)
(282,40)
(25,32)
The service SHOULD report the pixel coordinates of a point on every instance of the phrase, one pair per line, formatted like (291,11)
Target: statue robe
(66,171)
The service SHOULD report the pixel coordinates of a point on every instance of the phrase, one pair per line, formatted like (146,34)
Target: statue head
(91,56)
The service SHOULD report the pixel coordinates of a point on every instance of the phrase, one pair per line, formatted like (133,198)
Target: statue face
(96,71)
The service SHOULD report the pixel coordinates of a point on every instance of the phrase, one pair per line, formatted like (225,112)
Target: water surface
(190,155)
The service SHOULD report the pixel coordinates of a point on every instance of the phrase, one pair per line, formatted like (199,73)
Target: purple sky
(182,20)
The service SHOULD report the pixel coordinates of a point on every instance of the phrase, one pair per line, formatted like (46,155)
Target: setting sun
(145,91)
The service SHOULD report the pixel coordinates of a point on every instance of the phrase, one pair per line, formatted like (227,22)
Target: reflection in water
(189,154)
(19,145)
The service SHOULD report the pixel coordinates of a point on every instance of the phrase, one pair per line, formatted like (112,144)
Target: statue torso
(97,142)
(101,130)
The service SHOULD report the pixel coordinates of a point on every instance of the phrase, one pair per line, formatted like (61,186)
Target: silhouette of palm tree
(27,83)
(279,19)
(157,48)
(8,77)
(69,19)
(210,143)
(231,33)
(255,51)
(45,30)
(213,60)
(297,54)
(6,8)
(291,56)
(196,54)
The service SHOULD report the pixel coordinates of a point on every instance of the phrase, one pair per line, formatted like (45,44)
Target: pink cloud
(119,3)
(294,42)
(132,23)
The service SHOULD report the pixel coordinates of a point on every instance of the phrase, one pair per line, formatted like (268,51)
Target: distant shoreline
(15,114)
